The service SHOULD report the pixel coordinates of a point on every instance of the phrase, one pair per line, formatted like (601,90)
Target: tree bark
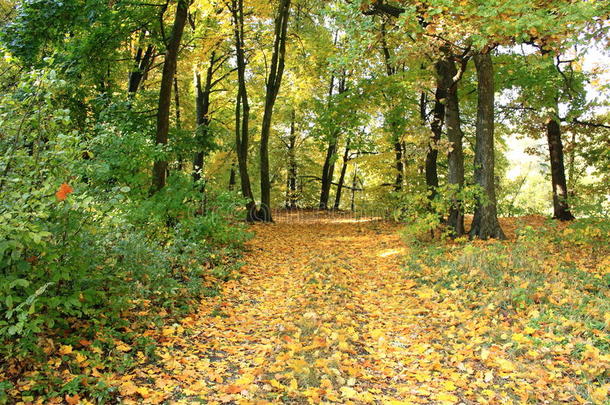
(165,92)
(202,103)
(291,181)
(328,167)
(232,180)
(438,118)
(178,117)
(273,86)
(398,152)
(561,209)
(455,176)
(242,110)
(142,64)
(342,176)
(485,224)
(328,171)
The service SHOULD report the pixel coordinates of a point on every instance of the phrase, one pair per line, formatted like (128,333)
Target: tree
(274,80)
(242,108)
(485,223)
(165,92)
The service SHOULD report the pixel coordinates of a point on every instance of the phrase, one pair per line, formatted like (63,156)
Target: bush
(85,253)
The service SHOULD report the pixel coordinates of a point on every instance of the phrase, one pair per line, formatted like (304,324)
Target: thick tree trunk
(242,110)
(561,209)
(485,224)
(273,86)
(165,93)
(342,177)
(455,135)
(291,181)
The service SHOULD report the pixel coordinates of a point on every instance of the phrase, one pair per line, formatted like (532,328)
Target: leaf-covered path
(323,311)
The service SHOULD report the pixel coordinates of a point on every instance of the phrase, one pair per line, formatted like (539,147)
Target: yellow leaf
(376,333)
(447,398)
(143,391)
(529,330)
(519,338)
(66,349)
(123,347)
(276,384)
(505,365)
(128,388)
(80,358)
(348,392)
(449,386)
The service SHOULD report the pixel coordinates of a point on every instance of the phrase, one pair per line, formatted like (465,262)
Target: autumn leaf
(72,399)
(66,349)
(63,191)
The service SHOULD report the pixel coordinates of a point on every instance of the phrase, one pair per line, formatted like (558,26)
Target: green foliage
(83,248)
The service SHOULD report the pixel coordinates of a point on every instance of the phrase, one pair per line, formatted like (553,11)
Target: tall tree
(485,223)
(165,92)
(242,109)
(561,208)
(291,181)
(455,157)
(274,80)
(328,169)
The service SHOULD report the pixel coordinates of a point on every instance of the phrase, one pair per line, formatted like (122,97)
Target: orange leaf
(63,191)
(72,400)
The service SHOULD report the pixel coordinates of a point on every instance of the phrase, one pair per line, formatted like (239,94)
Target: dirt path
(321,312)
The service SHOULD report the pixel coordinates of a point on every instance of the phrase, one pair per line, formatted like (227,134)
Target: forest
(299,201)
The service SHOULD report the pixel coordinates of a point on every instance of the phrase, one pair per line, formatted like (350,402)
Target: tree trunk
(399,166)
(438,117)
(342,177)
(485,224)
(291,181)
(165,93)
(142,64)
(242,110)
(232,177)
(455,135)
(391,70)
(354,184)
(327,172)
(178,118)
(273,86)
(561,209)
(202,103)
(328,169)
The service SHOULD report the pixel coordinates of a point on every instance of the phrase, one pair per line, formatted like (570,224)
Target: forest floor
(323,310)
